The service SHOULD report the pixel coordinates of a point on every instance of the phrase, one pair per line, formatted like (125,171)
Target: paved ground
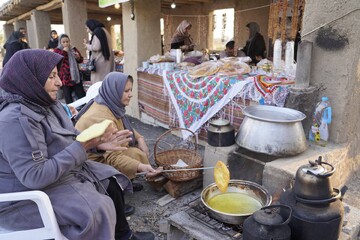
(149,215)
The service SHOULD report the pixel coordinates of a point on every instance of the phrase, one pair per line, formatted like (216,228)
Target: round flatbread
(221,176)
(204,69)
(95,130)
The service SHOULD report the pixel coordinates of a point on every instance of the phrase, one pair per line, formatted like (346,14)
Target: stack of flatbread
(204,69)
(232,68)
(225,67)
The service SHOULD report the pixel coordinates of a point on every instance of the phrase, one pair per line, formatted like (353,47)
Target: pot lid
(273,114)
(267,217)
(316,169)
(220,122)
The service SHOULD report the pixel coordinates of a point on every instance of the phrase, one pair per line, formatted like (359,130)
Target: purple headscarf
(110,94)
(26,73)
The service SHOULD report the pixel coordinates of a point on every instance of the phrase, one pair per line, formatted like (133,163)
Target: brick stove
(195,223)
(243,164)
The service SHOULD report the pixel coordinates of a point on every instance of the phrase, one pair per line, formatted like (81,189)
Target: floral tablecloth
(197,100)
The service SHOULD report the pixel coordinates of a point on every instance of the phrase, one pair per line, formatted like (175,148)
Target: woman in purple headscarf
(114,94)
(38,151)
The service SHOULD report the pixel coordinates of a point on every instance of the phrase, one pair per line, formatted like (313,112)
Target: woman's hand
(119,138)
(150,172)
(111,140)
(142,146)
(73,110)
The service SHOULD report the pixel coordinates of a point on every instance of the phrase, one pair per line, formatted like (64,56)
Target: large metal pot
(272,130)
(251,189)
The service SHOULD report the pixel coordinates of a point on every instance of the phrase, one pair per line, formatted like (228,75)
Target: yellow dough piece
(95,130)
(221,176)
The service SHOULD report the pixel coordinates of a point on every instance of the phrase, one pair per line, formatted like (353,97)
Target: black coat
(53,43)
(255,47)
(11,49)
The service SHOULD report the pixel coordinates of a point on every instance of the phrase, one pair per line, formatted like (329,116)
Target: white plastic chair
(51,228)
(92,92)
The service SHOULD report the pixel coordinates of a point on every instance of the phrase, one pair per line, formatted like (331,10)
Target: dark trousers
(68,90)
(122,229)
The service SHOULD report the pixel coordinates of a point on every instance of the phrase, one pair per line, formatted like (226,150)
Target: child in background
(69,72)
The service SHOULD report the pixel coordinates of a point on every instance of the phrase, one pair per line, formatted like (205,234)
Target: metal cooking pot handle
(329,200)
(280,206)
(327,174)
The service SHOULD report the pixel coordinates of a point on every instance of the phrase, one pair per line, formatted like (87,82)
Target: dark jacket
(255,47)
(12,45)
(53,43)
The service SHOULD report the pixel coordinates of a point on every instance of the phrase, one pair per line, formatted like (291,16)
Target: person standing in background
(100,50)
(255,46)
(24,40)
(54,40)
(12,45)
(181,38)
(69,72)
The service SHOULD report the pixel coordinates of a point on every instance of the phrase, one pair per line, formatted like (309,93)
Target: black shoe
(137,187)
(142,236)
(129,210)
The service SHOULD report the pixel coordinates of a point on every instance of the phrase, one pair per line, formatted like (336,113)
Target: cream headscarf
(181,34)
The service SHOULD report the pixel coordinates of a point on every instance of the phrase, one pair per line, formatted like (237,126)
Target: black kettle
(220,133)
(312,181)
(266,224)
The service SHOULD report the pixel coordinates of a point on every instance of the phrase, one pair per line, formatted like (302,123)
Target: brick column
(19,24)
(30,33)
(141,40)
(42,30)
(8,29)
(74,17)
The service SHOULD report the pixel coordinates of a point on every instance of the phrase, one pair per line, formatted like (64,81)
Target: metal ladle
(176,170)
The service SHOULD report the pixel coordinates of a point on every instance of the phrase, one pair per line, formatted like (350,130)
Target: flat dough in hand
(221,176)
(95,130)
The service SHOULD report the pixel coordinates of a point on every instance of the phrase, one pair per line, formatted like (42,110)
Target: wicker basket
(170,157)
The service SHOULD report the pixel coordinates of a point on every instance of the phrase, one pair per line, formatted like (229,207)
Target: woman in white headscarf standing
(100,49)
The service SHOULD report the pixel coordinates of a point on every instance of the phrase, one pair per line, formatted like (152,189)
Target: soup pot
(248,188)
(272,130)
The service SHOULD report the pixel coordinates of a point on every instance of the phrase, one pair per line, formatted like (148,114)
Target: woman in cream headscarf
(181,38)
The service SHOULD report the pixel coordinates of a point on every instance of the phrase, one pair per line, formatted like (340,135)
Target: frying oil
(234,203)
